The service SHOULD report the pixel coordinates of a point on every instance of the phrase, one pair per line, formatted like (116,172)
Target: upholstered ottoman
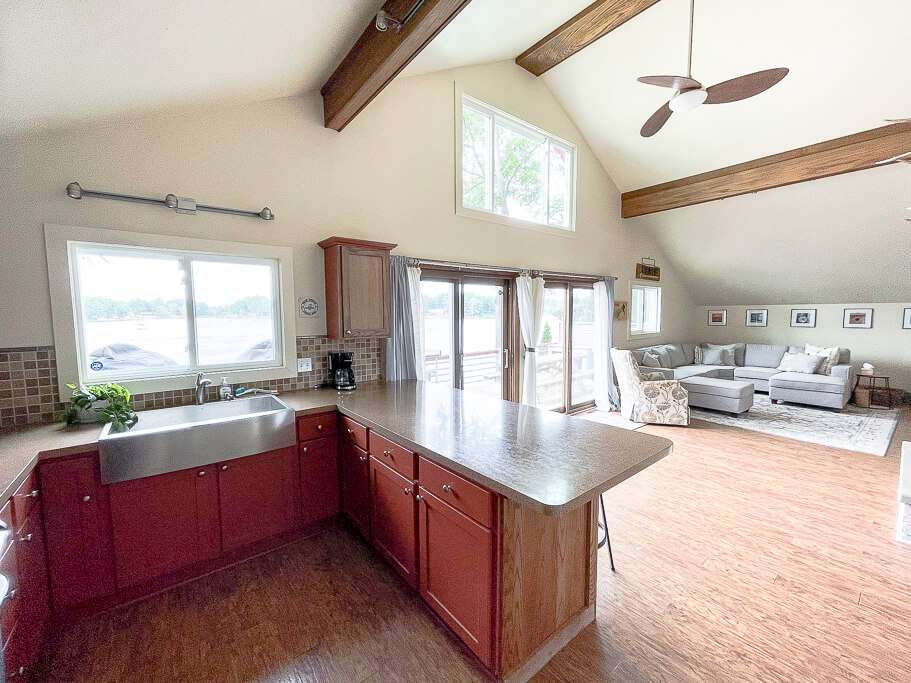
(731,396)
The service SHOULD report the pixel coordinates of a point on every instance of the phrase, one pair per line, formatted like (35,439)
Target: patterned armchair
(644,400)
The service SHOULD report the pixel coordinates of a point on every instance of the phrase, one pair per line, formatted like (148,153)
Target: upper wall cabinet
(357,287)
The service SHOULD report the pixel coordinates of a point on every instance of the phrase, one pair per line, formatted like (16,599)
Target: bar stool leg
(602,524)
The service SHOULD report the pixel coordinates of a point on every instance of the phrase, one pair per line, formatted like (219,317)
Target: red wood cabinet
(456,562)
(354,474)
(81,562)
(259,496)
(33,588)
(393,519)
(163,523)
(319,479)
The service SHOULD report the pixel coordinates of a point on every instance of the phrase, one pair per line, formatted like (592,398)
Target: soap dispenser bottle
(224,390)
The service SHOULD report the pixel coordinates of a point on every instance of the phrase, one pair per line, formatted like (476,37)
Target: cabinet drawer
(316,426)
(25,499)
(398,458)
(463,495)
(6,534)
(9,611)
(355,432)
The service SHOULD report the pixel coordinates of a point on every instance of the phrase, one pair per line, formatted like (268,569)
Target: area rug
(865,430)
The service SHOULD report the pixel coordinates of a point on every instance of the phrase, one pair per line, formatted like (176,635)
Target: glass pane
(651,321)
(482,330)
(550,351)
(476,180)
(438,301)
(560,184)
(520,169)
(635,310)
(133,310)
(583,337)
(235,312)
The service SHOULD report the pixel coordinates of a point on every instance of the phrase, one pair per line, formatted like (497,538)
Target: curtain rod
(456,265)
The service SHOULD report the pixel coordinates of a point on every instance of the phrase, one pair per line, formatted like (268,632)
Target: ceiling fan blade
(656,121)
(675,82)
(904,156)
(742,87)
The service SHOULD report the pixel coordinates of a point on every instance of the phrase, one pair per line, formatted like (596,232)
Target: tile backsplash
(28,378)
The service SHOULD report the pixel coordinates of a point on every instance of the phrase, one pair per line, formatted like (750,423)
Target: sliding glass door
(565,373)
(465,332)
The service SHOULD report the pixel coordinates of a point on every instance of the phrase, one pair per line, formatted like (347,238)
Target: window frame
(513,121)
(66,314)
(632,334)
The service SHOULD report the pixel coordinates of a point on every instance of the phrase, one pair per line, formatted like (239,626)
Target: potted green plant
(101,403)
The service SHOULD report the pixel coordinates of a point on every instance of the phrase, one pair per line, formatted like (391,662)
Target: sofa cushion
(829,355)
(650,359)
(718,387)
(718,355)
(676,354)
(800,362)
(763,355)
(689,351)
(717,371)
(739,350)
(751,372)
(829,384)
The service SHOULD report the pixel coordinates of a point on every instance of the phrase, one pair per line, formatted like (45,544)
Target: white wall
(886,345)
(389,176)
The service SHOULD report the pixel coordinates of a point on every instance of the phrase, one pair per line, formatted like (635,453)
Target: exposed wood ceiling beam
(378,56)
(842,155)
(595,21)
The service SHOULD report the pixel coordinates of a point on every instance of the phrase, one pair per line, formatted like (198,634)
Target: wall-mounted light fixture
(185,205)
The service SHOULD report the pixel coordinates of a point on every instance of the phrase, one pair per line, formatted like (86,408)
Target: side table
(877,389)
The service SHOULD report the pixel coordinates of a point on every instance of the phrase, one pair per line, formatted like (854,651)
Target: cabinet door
(354,473)
(162,523)
(319,479)
(259,496)
(393,519)
(78,536)
(457,573)
(33,588)
(365,292)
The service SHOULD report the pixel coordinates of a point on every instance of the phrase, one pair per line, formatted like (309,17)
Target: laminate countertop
(549,461)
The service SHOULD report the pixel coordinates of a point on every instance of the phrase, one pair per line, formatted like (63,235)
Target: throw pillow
(718,355)
(800,362)
(737,350)
(829,355)
(697,355)
(651,360)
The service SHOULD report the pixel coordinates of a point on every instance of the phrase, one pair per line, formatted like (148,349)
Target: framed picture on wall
(757,317)
(718,317)
(621,310)
(906,319)
(858,318)
(803,317)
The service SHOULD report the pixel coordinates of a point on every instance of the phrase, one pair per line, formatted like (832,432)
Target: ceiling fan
(904,156)
(689,93)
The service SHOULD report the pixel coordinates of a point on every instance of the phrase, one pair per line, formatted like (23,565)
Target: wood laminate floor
(740,557)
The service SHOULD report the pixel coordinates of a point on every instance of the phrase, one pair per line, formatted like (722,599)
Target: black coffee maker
(341,374)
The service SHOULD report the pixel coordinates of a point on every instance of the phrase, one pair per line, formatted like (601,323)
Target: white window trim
(644,335)
(491,216)
(57,243)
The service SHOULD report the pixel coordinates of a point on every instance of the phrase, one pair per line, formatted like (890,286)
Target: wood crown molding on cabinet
(378,56)
(592,23)
(850,153)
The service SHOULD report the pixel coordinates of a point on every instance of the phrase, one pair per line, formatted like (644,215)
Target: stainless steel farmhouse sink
(174,439)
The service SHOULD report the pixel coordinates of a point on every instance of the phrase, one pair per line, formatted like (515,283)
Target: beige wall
(886,345)
(389,176)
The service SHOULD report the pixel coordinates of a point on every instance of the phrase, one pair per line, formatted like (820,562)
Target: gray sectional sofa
(754,364)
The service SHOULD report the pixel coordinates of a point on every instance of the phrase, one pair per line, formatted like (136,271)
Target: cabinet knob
(319,428)
(350,431)
(18,673)
(347,331)
(224,468)
(419,498)
(86,499)
(363,458)
(447,488)
(305,449)
(407,490)
(25,538)
(31,494)
(387,453)
(201,473)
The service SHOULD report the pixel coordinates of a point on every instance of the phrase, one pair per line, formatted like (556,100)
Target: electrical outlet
(304,365)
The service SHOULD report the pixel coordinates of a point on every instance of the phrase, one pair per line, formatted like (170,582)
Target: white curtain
(405,346)
(530,292)
(606,395)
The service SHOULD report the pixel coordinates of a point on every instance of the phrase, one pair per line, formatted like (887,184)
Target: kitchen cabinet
(34,612)
(354,475)
(319,479)
(160,524)
(259,496)
(456,562)
(394,519)
(78,537)
(357,287)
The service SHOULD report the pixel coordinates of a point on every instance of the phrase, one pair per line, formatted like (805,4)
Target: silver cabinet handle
(18,673)
(201,473)
(350,431)
(86,499)
(224,468)
(12,594)
(363,458)
(305,449)
(26,538)
(347,331)
(387,453)
(407,490)
(319,428)
(447,488)
(31,494)
(419,498)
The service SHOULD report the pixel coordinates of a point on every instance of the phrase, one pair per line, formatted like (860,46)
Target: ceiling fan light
(688,99)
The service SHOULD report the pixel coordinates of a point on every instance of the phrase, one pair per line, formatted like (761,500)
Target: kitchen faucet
(201,384)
